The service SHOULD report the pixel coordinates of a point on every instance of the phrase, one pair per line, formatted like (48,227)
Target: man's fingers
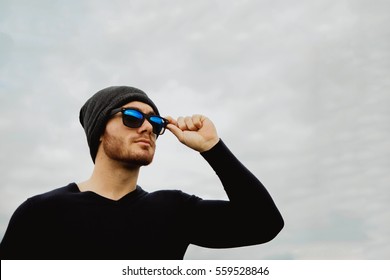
(192,123)
(181,123)
(198,121)
(171,120)
(196,132)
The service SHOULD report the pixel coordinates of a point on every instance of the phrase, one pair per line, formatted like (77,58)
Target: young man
(110,217)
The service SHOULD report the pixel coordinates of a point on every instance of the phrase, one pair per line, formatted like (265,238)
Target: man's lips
(144,141)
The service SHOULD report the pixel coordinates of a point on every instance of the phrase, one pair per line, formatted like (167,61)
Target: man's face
(134,146)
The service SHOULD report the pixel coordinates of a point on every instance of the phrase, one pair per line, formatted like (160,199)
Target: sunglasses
(134,118)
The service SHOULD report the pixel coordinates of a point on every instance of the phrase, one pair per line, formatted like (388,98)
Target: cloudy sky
(299,91)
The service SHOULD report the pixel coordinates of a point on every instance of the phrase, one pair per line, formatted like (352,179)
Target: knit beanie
(96,111)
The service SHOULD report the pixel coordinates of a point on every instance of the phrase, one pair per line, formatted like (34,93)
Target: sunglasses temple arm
(113,112)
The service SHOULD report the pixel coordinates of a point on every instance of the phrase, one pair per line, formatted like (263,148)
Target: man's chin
(141,162)
(134,157)
(138,161)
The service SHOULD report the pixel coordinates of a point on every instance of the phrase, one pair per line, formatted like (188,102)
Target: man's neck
(111,180)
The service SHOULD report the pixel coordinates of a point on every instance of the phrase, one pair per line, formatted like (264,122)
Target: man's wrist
(209,145)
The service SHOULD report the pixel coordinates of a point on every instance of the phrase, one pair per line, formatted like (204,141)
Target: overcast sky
(299,91)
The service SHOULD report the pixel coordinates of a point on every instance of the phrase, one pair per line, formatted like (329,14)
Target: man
(110,217)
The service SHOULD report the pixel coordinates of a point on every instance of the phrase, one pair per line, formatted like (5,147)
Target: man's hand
(196,132)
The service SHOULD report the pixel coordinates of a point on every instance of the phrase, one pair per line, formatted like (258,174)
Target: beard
(118,149)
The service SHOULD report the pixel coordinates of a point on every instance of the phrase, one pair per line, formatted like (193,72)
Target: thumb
(176,131)
(172,127)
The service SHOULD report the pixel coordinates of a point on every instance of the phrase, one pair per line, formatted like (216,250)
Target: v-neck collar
(138,192)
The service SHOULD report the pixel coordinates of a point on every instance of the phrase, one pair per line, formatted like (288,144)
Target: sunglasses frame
(144,117)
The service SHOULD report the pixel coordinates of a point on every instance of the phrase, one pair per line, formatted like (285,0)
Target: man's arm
(250,216)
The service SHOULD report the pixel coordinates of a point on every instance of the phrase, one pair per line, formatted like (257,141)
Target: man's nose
(146,127)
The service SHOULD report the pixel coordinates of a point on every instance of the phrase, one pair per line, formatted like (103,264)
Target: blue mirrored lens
(157,120)
(132,118)
(157,123)
(133,113)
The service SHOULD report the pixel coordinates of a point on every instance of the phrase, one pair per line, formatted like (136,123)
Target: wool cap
(96,111)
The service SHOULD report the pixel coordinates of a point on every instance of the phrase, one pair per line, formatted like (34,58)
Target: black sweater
(68,224)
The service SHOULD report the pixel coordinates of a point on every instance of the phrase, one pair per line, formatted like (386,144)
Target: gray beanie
(96,111)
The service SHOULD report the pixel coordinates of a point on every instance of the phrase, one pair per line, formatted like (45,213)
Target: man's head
(96,112)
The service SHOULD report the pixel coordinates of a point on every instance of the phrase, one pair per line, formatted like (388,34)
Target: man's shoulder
(45,200)
(54,193)
(168,201)
(171,194)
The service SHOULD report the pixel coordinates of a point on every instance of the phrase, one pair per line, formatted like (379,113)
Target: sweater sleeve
(249,217)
